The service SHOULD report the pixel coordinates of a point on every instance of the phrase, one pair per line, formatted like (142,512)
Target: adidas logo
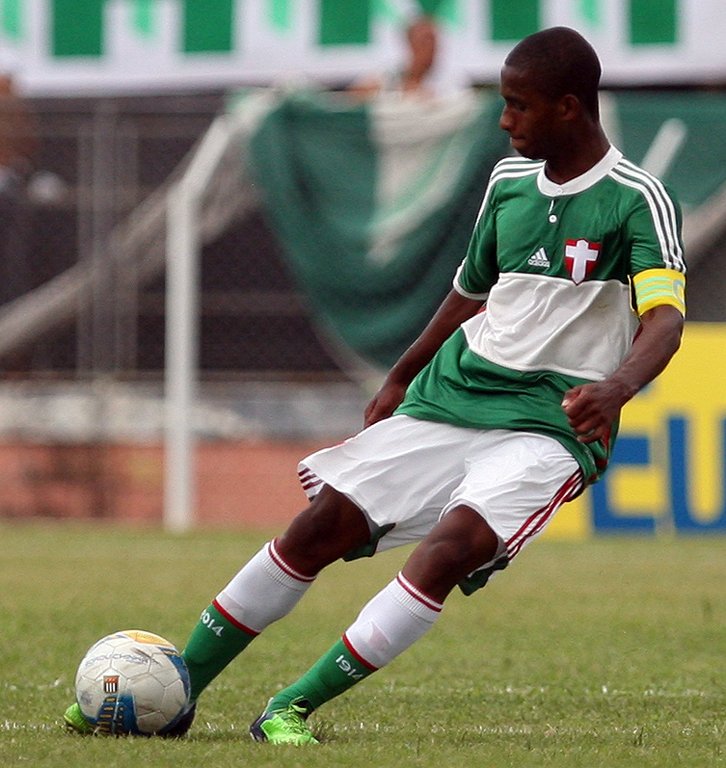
(539,259)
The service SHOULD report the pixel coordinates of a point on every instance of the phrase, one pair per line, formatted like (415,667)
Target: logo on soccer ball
(580,258)
(110,684)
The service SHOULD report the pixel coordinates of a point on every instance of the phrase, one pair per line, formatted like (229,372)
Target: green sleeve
(479,270)
(654,233)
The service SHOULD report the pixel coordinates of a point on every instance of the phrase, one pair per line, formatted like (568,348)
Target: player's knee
(463,541)
(323,532)
(455,557)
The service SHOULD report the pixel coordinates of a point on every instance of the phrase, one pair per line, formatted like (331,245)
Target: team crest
(580,258)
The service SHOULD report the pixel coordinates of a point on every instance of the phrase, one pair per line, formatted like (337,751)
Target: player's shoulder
(515,168)
(634,177)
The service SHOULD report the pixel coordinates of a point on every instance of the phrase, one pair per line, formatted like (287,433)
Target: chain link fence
(97,161)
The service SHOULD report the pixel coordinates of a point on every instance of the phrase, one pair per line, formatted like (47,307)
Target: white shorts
(409,473)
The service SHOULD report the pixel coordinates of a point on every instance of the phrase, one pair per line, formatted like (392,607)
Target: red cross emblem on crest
(580,258)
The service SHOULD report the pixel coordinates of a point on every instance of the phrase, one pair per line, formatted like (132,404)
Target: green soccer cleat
(283,726)
(74,720)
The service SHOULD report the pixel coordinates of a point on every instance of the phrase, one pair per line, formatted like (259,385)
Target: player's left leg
(270,585)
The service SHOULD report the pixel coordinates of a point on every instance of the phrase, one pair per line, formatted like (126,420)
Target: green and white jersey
(556,265)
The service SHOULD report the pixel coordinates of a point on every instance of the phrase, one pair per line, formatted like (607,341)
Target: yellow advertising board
(668,471)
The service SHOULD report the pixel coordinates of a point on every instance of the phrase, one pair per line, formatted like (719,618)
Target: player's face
(529,117)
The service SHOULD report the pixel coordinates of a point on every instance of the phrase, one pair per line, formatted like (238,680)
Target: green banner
(653,22)
(11,19)
(79,27)
(143,17)
(375,251)
(513,21)
(208,26)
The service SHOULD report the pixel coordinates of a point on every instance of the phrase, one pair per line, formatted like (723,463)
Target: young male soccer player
(491,419)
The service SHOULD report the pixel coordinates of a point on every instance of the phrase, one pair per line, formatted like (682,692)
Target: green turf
(608,653)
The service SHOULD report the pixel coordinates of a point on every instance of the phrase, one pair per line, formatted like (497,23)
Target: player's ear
(570,107)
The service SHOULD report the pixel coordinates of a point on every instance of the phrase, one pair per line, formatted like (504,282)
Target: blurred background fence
(98,160)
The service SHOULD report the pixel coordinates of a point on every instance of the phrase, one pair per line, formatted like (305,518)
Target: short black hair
(561,61)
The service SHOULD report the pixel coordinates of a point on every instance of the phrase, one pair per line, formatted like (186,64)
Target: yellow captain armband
(654,287)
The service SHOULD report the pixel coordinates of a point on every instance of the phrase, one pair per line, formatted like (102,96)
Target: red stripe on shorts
(308,479)
(537,520)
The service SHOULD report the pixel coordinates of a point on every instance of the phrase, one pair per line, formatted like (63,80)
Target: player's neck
(577,156)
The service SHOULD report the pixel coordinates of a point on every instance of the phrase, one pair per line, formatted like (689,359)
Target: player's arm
(658,282)
(475,276)
(592,408)
(454,310)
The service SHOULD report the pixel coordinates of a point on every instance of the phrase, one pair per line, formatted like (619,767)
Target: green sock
(331,675)
(214,642)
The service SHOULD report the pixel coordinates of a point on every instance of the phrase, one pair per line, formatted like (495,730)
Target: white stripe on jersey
(509,168)
(514,332)
(517,162)
(661,207)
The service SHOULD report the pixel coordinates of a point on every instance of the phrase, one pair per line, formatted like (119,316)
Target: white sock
(391,622)
(265,590)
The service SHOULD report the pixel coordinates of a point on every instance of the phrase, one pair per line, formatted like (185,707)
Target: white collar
(580,183)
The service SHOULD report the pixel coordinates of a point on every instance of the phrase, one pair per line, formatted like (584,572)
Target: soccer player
(569,301)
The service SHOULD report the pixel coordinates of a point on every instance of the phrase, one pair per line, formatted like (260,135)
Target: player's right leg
(270,585)
(267,588)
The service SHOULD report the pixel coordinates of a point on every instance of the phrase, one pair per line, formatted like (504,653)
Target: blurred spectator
(420,74)
(18,151)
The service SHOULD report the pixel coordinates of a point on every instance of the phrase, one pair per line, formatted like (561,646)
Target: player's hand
(384,403)
(592,408)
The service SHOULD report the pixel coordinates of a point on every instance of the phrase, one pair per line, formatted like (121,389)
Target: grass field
(606,653)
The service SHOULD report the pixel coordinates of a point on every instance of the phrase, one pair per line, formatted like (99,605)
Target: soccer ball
(132,682)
